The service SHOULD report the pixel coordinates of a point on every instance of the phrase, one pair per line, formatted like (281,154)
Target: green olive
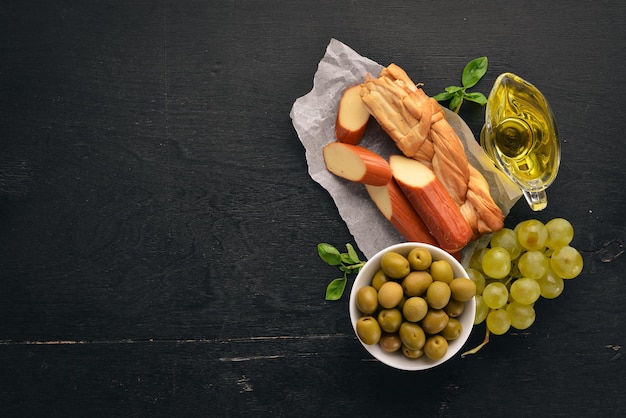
(412,335)
(416,283)
(415,309)
(368,330)
(389,319)
(378,279)
(441,271)
(420,258)
(390,294)
(453,329)
(463,289)
(436,347)
(367,300)
(394,265)
(434,321)
(390,342)
(400,305)
(412,354)
(438,295)
(454,308)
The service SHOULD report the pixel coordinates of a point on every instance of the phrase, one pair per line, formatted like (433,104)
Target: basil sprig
(347,262)
(472,73)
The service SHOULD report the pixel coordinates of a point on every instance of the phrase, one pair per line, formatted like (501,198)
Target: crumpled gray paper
(313,116)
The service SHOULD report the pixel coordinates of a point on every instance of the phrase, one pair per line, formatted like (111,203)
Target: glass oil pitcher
(521,137)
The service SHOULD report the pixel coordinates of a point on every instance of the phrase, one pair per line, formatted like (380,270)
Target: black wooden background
(158,226)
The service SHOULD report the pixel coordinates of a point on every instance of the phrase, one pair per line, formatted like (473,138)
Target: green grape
(522,315)
(560,233)
(507,239)
(519,266)
(551,285)
(476,261)
(514,268)
(518,226)
(481,310)
(496,263)
(533,264)
(532,234)
(495,295)
(498,321)
(478,279)
(525,291)
(566,262)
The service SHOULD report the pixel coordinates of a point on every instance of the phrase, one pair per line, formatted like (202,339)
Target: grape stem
(477,349)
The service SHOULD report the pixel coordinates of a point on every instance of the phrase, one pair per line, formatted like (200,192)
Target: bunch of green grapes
(518,267)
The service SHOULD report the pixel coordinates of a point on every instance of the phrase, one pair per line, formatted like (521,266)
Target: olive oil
(521,137)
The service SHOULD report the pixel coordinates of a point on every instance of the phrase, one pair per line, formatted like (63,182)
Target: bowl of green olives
(412,306)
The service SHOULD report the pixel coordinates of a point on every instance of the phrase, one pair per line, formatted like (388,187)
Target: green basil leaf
(476,98)
(455,103)
(454,89)
(335,289)
(345,259)
(329,254)
(474,71)
(352,255)
(442,97)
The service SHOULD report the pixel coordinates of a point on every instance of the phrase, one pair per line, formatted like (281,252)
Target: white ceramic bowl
(397,359)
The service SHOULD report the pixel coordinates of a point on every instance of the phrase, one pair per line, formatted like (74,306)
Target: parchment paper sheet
(313,116)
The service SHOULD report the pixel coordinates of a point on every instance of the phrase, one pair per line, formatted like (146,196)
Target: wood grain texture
(158,225)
